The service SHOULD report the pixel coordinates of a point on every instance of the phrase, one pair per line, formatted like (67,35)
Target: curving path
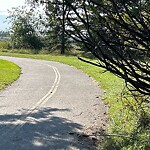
(47,106)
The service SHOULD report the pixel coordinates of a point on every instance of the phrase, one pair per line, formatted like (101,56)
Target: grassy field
(112,85)
(9,72)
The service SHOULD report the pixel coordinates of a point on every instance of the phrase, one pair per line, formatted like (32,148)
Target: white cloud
(8,4)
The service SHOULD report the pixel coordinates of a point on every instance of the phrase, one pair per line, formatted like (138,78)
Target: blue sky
(3,25)
(7,5)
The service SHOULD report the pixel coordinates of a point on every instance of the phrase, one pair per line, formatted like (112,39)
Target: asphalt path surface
(49,107)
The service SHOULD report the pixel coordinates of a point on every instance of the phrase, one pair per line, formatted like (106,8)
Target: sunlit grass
(9,72)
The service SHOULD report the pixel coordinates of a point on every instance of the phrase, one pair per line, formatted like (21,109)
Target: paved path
(47,105)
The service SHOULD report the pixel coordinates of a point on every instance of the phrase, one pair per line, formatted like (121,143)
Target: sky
(4,6)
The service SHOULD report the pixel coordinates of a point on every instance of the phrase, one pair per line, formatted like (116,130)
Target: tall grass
(4,44)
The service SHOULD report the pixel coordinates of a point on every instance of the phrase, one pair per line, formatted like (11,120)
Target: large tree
(24,29)
(55,11)
(114,31)
(117,33)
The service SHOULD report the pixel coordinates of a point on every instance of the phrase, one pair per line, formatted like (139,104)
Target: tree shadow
(40,129)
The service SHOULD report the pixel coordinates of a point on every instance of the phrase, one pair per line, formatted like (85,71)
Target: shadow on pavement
(42,130)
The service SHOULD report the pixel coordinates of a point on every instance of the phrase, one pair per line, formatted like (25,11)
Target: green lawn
(9,72)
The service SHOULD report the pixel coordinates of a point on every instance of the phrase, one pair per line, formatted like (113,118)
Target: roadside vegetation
(4,44)
(9,72)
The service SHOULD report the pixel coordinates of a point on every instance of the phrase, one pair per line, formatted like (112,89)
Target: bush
(5,44)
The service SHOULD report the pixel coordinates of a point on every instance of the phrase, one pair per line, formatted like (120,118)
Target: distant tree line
(4,35)
(31,29)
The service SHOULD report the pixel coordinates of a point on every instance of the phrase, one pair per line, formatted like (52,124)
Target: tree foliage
(117,33)
(55,23)
(24,29)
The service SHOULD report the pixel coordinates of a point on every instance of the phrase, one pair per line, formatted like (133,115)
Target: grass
(9,72)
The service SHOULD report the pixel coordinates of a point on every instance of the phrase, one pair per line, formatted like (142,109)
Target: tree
(117,33)
(4,34)
(55,11)
(23,30)
(56,14)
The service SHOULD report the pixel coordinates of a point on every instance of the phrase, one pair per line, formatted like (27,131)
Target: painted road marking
(22,121)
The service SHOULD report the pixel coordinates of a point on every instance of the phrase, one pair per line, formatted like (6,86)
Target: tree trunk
(63,30)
